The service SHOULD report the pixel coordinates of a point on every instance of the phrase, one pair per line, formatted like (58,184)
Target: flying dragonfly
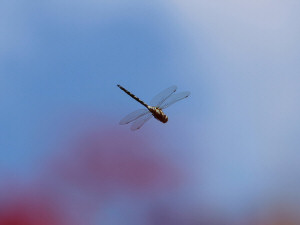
(161,101)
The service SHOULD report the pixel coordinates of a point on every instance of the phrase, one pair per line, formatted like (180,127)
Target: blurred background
(229,154)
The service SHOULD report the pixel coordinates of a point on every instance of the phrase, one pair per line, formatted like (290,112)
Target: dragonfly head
(164,118)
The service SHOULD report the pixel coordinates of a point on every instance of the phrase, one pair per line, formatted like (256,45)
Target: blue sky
(237,134)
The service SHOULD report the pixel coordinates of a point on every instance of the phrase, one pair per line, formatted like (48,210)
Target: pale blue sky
(237,134)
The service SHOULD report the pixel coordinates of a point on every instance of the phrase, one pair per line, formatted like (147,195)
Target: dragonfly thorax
(158,114)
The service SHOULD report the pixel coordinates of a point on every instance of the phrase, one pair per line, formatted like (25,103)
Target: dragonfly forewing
(162,96)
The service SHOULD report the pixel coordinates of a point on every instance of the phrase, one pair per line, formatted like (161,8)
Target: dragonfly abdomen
(132,96)
(158,114)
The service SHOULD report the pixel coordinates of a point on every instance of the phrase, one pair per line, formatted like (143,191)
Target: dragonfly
(159,102)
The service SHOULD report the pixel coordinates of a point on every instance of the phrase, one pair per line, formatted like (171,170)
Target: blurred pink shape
(185,215)
(114,161)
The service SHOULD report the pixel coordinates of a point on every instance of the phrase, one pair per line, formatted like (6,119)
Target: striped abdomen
(133,96)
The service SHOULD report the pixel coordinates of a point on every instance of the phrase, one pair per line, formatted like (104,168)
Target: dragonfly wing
(175,98)
(162,96)
(134,115)
(141,121)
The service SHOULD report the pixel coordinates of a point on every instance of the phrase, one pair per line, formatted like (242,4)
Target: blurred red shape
(279,215)
(31,209)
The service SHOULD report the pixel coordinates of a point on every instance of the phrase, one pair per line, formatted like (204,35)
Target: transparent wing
(162,96)
(133,116)
(141,121)
(175,98)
